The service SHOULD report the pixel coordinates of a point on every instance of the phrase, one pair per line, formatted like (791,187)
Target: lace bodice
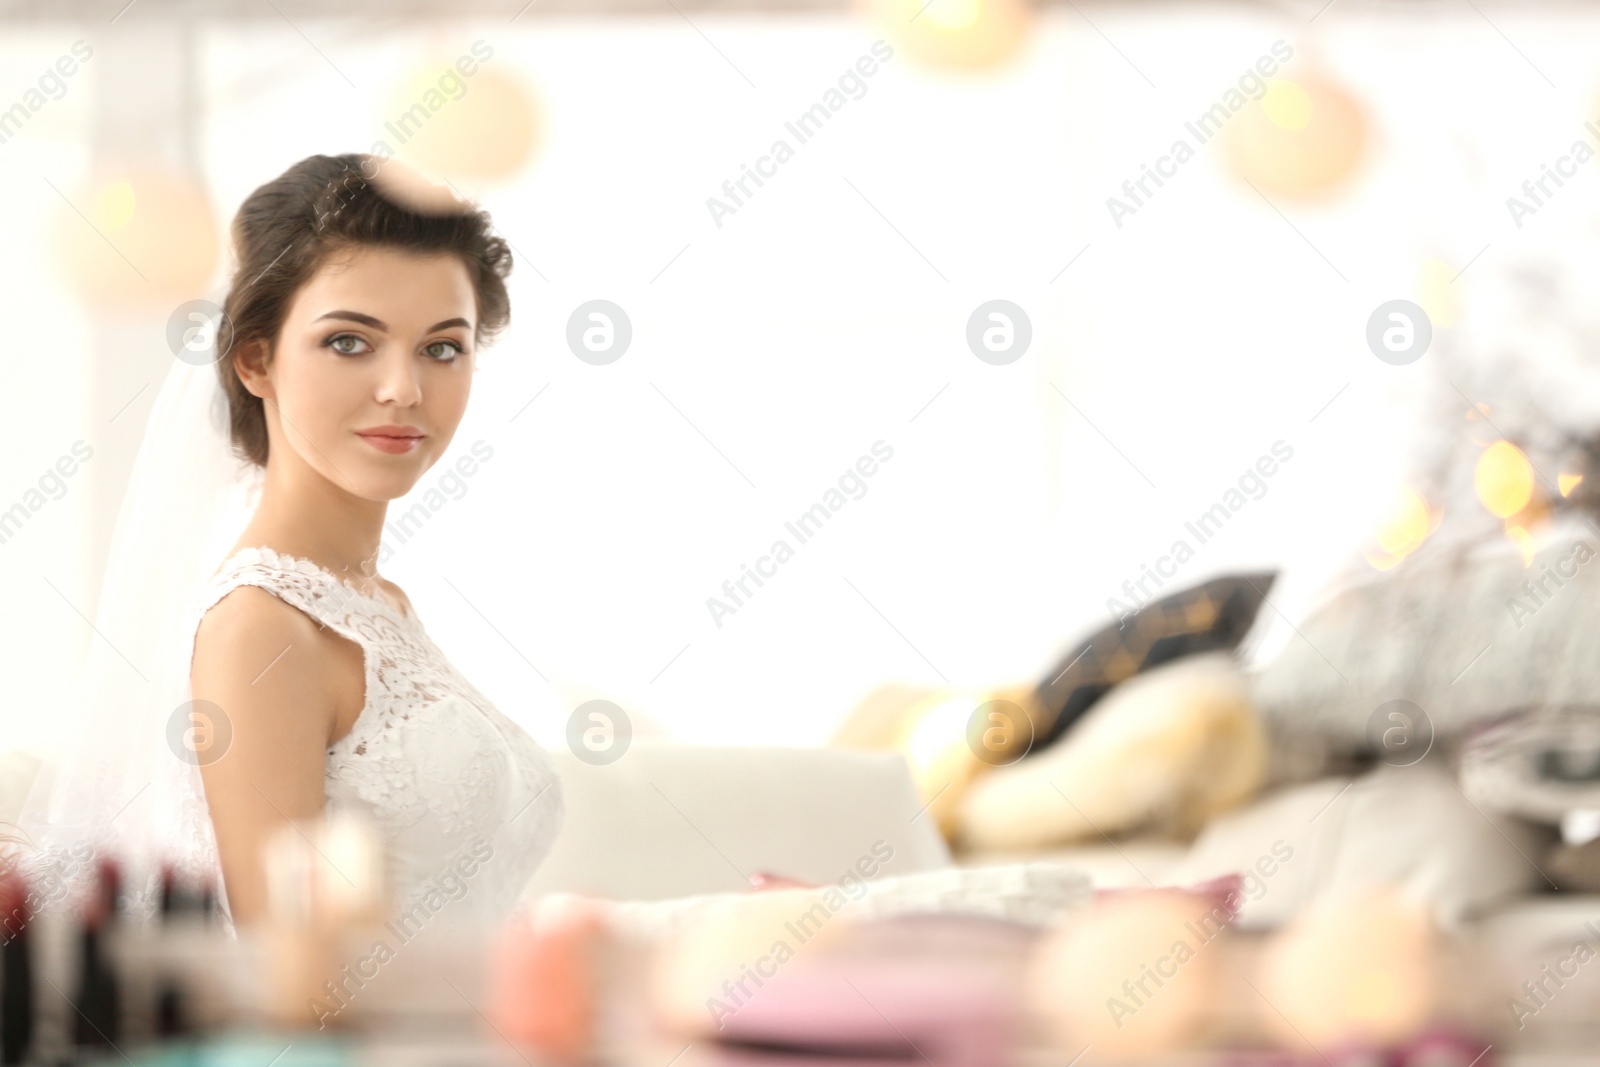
(452,785)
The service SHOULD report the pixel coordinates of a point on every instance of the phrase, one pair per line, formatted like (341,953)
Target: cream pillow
(1165,750)
(1398,826)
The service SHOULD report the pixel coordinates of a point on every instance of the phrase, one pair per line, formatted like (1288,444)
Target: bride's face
(377,340)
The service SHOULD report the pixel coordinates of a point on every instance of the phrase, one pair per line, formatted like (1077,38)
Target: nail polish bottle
(16,971)
(97,1022)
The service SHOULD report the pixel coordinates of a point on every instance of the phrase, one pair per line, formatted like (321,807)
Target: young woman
(345,362)
(356,323)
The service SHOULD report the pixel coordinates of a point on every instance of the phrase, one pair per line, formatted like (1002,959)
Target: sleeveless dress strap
(300,582)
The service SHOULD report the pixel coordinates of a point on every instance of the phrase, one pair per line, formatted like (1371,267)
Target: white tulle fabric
(116,787)
(430,760)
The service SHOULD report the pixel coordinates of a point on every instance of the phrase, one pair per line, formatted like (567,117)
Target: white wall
(775,350)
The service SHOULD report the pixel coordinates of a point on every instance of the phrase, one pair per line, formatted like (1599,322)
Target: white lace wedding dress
(434,766)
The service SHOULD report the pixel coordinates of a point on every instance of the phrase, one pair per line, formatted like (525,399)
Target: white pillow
(1405,826)
(668,820)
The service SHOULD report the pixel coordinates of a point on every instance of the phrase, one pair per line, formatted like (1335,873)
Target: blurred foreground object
(1130,975)
(1358,968)
(324,879)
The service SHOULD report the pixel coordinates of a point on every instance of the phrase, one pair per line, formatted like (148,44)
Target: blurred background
(1180,421)
(1357,153)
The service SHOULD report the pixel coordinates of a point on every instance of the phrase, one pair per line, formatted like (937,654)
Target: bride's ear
(250,364)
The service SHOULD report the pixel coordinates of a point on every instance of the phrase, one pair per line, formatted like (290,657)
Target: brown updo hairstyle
(326,205)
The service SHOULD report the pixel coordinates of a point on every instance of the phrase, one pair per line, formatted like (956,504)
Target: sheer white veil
(126,782)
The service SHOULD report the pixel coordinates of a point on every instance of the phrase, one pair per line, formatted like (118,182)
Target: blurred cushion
(1406,826)
(1210,617)
(1165,752)
(680,820)
(1465,633)
(948,736)
(1536,763)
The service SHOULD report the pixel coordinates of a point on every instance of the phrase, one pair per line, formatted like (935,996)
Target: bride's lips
(392,439)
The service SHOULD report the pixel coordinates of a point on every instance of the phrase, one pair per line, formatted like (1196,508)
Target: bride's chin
(390,489)
(381,486)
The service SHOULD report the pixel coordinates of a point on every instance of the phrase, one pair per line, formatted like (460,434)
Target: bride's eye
(336,340)
(445,351)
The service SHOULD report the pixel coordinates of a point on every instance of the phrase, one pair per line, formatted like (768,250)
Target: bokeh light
(1356,968)
(1504,479)
(1303,138)
(488,133)
(1407,524)
(135,238)
(1130,975)
(954,34)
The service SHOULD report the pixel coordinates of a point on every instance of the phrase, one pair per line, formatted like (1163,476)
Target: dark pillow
(1209,617)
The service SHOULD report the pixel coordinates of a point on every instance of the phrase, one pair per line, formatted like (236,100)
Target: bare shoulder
(247,619)
(255,653)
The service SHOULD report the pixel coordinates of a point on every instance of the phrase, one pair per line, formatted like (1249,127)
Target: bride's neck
(304,514)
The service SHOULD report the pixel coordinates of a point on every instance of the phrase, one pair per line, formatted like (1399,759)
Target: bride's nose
(399,378)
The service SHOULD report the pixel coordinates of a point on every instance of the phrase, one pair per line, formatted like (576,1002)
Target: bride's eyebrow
(379,324)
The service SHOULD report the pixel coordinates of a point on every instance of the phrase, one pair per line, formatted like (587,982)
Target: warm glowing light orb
(1130,975)
(1436,293)
(940,729)
(1504,479)
(764,934)
(1525,544)
(953,34)
(1357,968)
(1303,138)
(953,14)
(114,205)
(465,129)
(1406,526)
(146,239)
(1286,104)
